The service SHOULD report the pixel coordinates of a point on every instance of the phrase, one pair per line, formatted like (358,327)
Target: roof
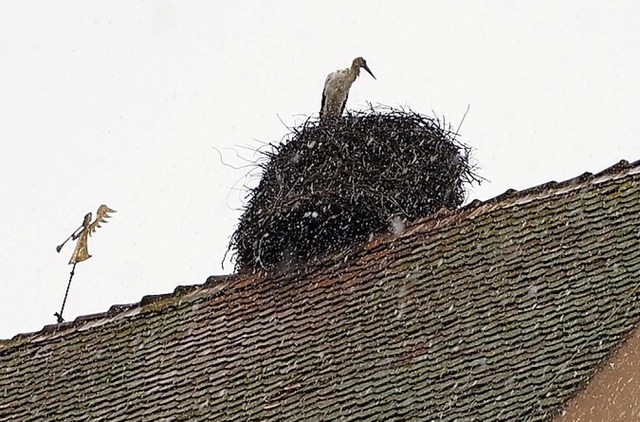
(501,310)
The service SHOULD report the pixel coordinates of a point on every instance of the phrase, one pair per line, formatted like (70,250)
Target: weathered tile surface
(499,311)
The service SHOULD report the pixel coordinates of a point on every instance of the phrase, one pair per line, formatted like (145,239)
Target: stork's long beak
(365,67)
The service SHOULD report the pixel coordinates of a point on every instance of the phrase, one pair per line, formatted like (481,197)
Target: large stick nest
(336,182)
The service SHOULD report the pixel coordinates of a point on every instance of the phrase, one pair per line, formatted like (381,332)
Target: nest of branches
(336,182)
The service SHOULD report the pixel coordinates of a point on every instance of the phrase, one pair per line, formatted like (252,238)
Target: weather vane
(81,252)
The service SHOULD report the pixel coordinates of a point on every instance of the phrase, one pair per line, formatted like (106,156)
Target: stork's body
(336,88)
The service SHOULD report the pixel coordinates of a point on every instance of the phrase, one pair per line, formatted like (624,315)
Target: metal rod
(64,301)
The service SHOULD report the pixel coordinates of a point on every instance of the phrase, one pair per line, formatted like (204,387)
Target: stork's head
(359,62)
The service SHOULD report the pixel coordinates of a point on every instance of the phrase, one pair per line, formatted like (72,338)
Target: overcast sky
(125,103)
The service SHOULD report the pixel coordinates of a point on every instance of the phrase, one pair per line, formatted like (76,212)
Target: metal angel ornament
(81,251)
(82,233)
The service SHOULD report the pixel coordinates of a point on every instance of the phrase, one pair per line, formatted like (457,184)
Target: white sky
(123,102)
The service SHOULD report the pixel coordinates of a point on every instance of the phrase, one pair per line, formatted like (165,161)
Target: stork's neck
(354,72)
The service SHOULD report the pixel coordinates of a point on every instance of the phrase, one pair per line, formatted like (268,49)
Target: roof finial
(81,251)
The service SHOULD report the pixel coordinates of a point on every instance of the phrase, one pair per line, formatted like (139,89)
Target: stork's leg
(344,104)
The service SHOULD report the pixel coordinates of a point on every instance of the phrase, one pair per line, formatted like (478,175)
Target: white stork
(336,88)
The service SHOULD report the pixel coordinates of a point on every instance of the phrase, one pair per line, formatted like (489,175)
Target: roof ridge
(118,311)
(512,197)
(620,169)
(217,283)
